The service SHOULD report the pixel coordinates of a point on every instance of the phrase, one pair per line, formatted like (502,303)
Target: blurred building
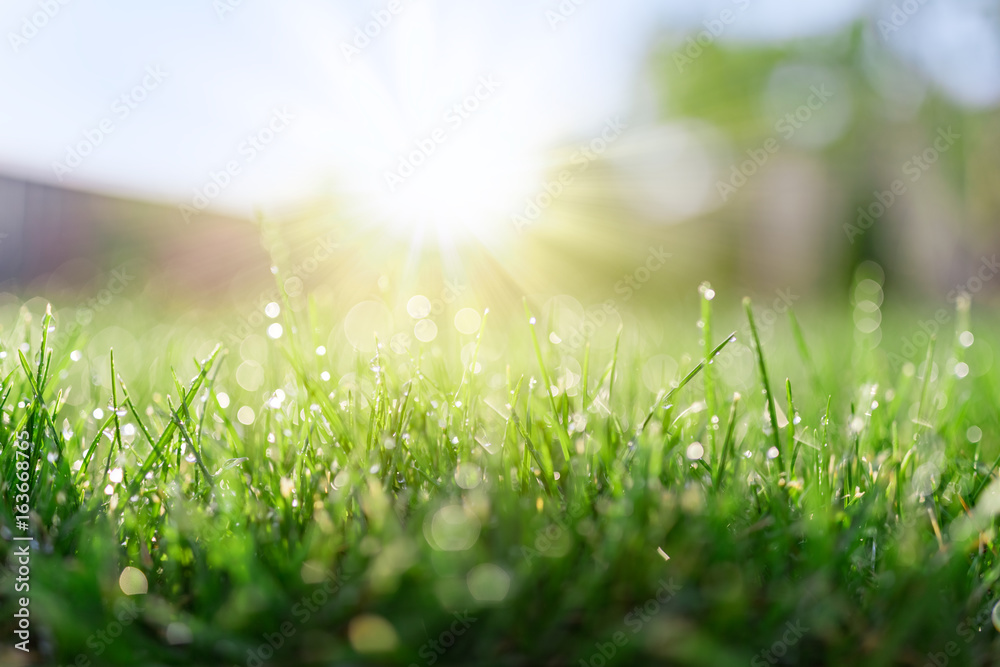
(49,233)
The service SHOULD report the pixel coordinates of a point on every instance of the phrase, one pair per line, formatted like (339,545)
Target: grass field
(815,495)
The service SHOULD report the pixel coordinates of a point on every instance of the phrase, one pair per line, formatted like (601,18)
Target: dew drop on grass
(250,375)
(245,415)
(966,338)
(418,307)
(772,453)
(98,414)
(467,321)
(275,330)
(133,582)
(272,310)
(468,475)
(425,331)
(452,528)
(488,582)
(75,355)
(276,399)
(370,634)
(974,434)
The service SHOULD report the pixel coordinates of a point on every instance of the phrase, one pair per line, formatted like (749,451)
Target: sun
(470,188)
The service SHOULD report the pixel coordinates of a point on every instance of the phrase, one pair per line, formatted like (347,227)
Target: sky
(244,104)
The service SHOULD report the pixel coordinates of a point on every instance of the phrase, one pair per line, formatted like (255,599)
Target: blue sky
(225,69)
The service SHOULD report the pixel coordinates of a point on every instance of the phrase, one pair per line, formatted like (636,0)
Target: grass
(523,504)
